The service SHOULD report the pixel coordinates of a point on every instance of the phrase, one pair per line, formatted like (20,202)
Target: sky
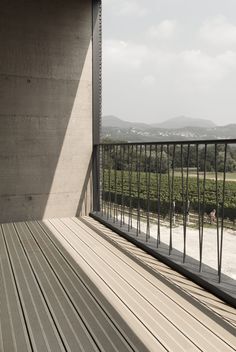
(167,58)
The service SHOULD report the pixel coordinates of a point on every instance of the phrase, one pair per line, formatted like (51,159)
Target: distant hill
(114,128)
(113,121)
(183,121)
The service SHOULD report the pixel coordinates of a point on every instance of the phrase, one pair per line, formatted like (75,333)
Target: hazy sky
(164,58)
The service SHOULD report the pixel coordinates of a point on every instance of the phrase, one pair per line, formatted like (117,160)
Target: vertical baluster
(146,181)
(199,201)
(139,154)
(203,207)
(129,183)
(119,177)
(157,186)
(159,200)
(103,180)
(131,198)
(169,195)
(186,210)
(182,187)
(136,183)
(106,180)
(109,147)
(122,184)
(130,188)
(112,181)
(115,186)
(126,180)
(148,193)
(172,198)
(223,213)
(100,177)
(217,211)
(94,186)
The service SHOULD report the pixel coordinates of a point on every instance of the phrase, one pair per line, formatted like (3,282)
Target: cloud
(207,69)
(218,31)
(194,68)
(132,8)
(149,65)
(124,55)
(149,80)
(169,58)
(164,30)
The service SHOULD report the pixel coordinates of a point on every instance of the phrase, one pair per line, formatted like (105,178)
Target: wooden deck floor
(68,285)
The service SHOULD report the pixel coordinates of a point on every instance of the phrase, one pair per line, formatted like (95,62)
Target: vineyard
(157,192)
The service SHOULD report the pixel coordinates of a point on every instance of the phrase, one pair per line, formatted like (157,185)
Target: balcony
(73,285)
(69,282)
(176,200)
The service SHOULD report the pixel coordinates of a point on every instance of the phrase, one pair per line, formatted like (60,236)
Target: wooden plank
(100,327)
(43,334)
(158,324)
(122,325)
(72,329)
(222,309)
(150,342)
(14,336)
(177,310)
(65,287)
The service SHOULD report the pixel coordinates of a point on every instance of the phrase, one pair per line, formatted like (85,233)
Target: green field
(230,176)
(142,188)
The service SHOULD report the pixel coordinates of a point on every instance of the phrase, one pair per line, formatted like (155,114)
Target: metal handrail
(183,142)
(131,186)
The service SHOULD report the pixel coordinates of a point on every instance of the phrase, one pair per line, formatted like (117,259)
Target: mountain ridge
(114,121)
(175,122)
(141,132)
(184,121)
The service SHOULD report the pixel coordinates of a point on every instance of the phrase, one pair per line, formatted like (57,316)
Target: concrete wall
(45,108)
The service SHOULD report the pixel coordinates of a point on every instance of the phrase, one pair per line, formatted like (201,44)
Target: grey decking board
(148,339)
(168,335)
(219,307)
(162,269)
(106,232)
(207,277)
(98,323)
(79,234)
(66,260)
(200,330)
(41,329)
(172,294)
(71,328)
(88,257)
(152,296)
(101,300)
(13,330)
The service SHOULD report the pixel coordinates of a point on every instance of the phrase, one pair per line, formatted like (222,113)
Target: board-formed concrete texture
(45,108)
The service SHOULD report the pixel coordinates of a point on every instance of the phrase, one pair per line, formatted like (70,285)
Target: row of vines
(157,192)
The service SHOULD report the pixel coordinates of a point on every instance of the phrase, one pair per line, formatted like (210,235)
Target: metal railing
(187,185)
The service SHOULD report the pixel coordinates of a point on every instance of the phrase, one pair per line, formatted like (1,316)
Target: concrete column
(45,108)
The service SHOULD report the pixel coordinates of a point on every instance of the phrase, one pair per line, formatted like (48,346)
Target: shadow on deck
(207,278)
(73,285)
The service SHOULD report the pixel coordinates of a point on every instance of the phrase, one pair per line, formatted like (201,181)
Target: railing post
(96,98)
(135,189)
(96,178)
